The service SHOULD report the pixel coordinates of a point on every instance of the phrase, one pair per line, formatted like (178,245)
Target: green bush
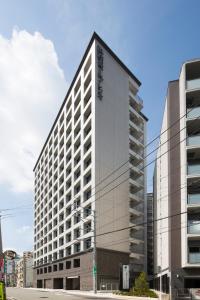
(141,286)
(140,289)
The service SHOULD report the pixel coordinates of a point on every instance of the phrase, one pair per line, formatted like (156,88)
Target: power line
(139,169)
(129,160)
(127,170)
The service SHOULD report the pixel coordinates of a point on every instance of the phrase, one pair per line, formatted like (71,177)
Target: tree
(141,287)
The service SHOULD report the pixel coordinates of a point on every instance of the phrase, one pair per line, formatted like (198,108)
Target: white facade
(176,183)
(93,159)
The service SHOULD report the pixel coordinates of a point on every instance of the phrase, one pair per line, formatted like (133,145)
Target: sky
(41,45)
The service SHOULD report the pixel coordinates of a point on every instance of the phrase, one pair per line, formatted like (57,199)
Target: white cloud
(24,229)
(32,87)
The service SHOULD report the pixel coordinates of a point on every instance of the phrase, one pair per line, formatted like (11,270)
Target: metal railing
(194,198)
(193,84)
(194,226)
(193,140)
(193,169)
(194,258)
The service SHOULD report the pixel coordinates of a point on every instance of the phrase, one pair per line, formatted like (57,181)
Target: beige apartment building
(90,178)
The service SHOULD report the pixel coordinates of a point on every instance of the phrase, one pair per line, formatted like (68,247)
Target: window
(77,188)
(55,256)
(60,267)
(61,241)
(87,65)
(77,233)
(68,264)
(68,237)
(76,263)
(68,211)
(87,211)
(77,248)
(68,224)
(87,128)
(55,268)
(61,253)
(87,194)
(87,161)
(87,178)
(87,145)
(61,217)
(87,243)
(68,251)
(87,81)
(77,218)
(77,86)
(87,227)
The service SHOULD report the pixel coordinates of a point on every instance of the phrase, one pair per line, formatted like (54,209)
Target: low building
(10,260)
(24,270)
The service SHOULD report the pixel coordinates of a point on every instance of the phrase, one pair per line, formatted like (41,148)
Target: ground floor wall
(180,283)
(76,272)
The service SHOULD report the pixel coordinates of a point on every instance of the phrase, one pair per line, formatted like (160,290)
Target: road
(29,294)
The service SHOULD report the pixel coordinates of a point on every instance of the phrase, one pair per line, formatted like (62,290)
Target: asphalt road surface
(29,294)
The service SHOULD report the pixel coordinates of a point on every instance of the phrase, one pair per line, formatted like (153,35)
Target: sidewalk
(91,293)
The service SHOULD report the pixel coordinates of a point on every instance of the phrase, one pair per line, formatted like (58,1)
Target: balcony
(194,226)
(193,113)
(194,199)
(194,251)
(193,140)
(193,84)
(194,258)
(193,169)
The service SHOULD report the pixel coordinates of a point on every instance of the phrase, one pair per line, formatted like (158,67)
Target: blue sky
(153,37)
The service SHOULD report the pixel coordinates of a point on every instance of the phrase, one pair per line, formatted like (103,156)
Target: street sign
(125,277)
(94,270)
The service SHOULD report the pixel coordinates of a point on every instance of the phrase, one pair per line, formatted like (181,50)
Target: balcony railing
(193,140)
(194,169)
(194,198)
(194,258)
(193,112)
(194,227)
(193,84)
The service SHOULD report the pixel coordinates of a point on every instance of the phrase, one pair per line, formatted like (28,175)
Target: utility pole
(95,257)
(1,255)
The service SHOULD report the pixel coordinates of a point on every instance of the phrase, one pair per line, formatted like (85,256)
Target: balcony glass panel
(193,84)
(193,112)
(194,226)
(194,198)
(194,258)
(193,169)
(193,140)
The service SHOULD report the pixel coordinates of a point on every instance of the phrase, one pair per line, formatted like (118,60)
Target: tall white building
(176,187)
(92,160)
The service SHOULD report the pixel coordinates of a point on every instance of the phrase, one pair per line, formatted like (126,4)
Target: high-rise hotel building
(92,162)
(177,187)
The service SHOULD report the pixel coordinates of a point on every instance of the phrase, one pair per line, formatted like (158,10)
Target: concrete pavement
(34,294)
(38,294)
